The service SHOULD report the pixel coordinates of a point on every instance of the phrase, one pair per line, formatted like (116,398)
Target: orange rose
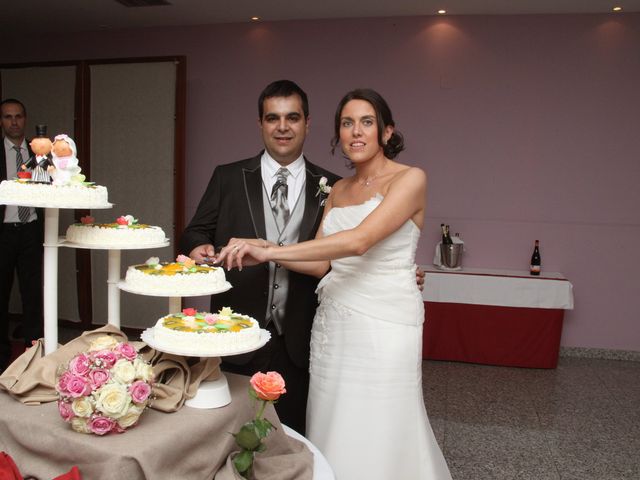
(268,386)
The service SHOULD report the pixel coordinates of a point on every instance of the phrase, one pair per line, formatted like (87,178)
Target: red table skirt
(492,335)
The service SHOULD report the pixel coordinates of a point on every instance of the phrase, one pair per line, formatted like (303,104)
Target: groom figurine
(273,196)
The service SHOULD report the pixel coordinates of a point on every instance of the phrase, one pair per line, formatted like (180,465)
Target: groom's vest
(278,276)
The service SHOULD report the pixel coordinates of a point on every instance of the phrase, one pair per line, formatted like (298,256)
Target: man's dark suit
(21,249)
(232,206)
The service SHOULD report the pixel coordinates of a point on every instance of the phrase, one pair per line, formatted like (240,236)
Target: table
(494,317)
(190,444)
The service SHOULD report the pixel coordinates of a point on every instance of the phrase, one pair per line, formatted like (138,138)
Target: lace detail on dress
(326,314)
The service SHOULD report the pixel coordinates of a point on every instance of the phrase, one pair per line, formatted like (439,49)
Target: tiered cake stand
(211,393)
(113,272)
(51,244)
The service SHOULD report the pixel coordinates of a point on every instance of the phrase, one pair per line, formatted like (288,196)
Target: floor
(580,421)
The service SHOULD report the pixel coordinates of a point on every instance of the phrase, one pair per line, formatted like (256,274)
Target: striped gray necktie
(279,203)
(23,212)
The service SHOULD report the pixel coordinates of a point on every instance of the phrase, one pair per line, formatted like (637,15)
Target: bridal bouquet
(105,389)
(265,388)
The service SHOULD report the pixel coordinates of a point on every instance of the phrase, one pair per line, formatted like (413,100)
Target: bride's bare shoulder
(407,173)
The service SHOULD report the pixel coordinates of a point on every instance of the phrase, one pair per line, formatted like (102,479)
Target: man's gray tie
(23,212)
(279,203)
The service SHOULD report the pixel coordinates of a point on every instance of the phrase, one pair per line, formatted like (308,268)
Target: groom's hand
(203,253)
(420,278)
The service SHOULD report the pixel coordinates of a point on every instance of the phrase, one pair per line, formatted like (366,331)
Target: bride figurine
(365,411)
(65,168)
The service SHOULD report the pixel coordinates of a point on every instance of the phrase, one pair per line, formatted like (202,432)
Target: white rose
(323,181)
(82,407)
(130,220)
(123,371)
(131,417)
(153,261)
(79,425)
(225,313)
(113,400)
(144,371)
(104,342)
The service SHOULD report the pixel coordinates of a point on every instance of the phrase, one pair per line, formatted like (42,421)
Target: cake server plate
(122,285)
(149,338)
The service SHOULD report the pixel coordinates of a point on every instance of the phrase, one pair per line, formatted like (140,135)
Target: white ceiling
(26,16)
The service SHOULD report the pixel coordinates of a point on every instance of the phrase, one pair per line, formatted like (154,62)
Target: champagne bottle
(446,237)
(536,264)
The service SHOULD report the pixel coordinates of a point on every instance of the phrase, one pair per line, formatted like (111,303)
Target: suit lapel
(312,207)
(252,177)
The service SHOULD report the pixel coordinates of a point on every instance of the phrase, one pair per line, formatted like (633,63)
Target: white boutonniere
(323,190)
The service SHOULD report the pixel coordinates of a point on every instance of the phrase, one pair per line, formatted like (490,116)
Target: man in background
(21,236)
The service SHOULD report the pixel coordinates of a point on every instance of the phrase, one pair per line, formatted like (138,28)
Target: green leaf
(263,427)
(243,462)
(248,438)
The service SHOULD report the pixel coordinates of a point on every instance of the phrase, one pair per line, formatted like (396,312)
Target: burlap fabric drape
(31,378)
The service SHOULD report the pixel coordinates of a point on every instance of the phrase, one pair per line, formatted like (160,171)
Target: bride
(365,410)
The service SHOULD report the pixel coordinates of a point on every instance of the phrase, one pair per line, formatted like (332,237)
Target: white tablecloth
(321,468)
(507,288)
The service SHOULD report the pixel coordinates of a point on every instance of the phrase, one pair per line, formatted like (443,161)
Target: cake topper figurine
(41,147)
(65,168)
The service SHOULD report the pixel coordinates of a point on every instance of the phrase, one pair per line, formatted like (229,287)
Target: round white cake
(175,279)
(127,232)
(32,194)
(207,333)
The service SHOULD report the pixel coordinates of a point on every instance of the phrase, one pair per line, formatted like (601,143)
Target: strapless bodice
(382,281)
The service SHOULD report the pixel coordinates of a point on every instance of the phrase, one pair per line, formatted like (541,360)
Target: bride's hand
(243,252)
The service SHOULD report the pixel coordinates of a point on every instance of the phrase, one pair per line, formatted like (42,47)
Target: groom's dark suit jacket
(232,206)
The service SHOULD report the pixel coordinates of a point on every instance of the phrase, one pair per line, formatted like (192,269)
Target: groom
(255,198)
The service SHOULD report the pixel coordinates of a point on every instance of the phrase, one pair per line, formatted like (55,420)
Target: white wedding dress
(365,411)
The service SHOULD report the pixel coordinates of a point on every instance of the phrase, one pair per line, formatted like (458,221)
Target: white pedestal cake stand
(50,276)
(175,298)
(211,393)
(113,271)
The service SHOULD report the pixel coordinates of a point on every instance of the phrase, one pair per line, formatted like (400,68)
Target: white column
(175,304)
(113,293)
(50,292)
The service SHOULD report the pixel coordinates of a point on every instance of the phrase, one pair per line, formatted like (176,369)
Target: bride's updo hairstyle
(395,144)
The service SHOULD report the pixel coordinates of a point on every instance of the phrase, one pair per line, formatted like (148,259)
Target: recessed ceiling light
(255,19)
(441,12)
(617,9)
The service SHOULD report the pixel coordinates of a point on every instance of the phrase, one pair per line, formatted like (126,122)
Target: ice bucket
(451,255)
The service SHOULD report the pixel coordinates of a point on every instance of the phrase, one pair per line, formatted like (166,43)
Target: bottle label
(535,268)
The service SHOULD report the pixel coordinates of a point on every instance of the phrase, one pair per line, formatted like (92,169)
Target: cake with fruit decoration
(180,278)
(206,333)
(125,231)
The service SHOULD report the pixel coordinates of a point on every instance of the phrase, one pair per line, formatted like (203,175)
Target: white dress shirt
(295,181)
(11,211)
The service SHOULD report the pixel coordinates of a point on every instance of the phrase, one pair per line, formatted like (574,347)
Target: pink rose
(80,365)
(122,221)
(78,386)
(182,258)
(87,219)
(105,358)
(189,311)
(268,386)
(139,391)
(211,318)
(101,425)
(65,410)
(98,377)
(63,381)
(127,350)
